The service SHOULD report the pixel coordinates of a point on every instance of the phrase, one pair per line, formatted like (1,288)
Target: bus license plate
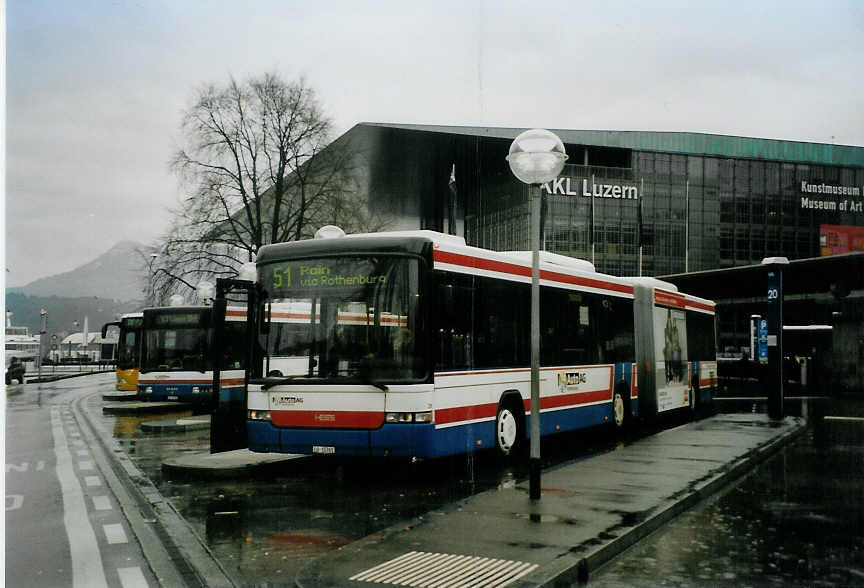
(323,449)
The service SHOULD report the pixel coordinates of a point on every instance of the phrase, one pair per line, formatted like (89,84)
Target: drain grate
(440,570)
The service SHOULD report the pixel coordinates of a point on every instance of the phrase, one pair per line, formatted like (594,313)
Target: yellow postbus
(128,349)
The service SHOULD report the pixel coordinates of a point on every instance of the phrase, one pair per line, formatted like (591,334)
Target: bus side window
(453,317)
(615,330)
(502,323)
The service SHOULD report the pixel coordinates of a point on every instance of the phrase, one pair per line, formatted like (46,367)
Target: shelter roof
(838,274)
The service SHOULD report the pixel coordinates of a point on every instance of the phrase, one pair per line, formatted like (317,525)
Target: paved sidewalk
(590,511)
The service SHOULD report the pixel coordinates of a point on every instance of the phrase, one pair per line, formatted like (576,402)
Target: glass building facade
(689,201)
(637,203)
(692,213)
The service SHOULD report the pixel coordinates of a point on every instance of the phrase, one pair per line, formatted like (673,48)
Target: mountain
(63,312)
(118,274)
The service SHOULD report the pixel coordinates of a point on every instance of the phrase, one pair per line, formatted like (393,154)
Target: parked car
(15,371)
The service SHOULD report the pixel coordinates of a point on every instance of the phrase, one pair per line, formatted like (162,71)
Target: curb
(177,556)
(175,425)
(118,396)
(229,464)
(574,570)
(126,407)
(47,379)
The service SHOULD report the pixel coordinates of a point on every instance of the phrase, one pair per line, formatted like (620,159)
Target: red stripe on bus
(564,400)
(457,414)
(465,413)
(235,313)
(700,305)
(664,298)
(342,318)
(517,370)
(568,279)
(521,270)
(230,382)
(327,419)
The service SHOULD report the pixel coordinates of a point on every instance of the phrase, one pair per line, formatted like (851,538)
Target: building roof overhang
(668,141)
(835,274)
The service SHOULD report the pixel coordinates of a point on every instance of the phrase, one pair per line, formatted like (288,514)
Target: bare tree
(260,169)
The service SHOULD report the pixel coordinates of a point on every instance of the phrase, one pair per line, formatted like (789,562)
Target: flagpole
(592,219)
(639,213)
(687,226)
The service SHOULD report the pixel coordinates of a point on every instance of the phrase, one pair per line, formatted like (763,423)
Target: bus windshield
(345,319)
(175,341)
(128,348)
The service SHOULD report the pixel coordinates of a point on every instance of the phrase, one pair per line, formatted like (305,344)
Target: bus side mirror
(263,323)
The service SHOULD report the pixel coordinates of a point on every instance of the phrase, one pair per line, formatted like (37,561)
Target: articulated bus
(128,350)
(414,344)
(176,362)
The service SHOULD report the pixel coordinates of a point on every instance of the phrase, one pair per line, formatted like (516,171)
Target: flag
(591,225)
(451,202)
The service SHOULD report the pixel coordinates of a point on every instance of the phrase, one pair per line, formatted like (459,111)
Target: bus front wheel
(508,430)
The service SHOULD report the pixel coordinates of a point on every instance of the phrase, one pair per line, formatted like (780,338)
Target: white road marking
(16,501)
(85,465)
(844,418)
(92,480)
(101,503)
(86,560)
(83,453)
(114,533)
(132,578)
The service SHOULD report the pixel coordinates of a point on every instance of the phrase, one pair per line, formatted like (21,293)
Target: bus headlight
(148,390)
(408,417)
(259,415)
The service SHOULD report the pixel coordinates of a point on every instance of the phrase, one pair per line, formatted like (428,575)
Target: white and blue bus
(176,355)
(414,344)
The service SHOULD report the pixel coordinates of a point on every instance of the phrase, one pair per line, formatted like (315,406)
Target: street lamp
(536,156)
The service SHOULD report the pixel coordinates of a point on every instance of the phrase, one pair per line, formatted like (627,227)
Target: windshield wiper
(270,381)
(380,385)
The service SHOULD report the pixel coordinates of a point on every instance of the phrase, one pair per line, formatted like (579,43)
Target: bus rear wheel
(509,425)
(619,410)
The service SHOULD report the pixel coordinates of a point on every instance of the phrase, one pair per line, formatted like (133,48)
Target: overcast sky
(95,89)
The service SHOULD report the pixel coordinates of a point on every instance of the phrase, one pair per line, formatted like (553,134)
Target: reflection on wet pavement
(795,521)
(264,529)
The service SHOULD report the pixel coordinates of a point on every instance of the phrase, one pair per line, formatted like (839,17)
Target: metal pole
(687,227)
(592,219)
(641,220)
(43,327)
(774,314)
(534,461)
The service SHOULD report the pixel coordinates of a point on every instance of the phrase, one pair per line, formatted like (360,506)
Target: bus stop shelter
(826,291)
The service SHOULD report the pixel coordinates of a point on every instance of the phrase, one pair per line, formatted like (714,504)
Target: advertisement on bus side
(670,332)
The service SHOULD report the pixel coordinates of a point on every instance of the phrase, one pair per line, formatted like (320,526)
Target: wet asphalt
(796,520)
